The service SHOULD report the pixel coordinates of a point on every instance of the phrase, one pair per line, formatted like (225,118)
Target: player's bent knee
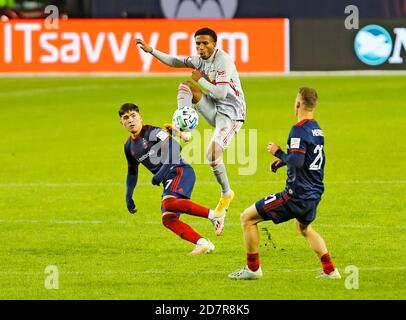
(168,218)
(303,232)
(185,87)
(168,203)
(303,229)
(245,218)
(196,92)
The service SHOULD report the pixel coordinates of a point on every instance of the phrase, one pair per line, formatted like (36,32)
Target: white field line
(194,223)
(199,182)
(154,271)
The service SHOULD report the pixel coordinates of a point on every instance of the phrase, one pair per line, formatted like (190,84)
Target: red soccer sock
(253,261)
(183,230)
(327,263)
(185,205)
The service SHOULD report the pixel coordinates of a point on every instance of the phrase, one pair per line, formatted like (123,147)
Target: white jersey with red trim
(220,69)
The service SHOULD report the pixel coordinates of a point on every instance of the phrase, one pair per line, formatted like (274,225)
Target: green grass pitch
(62,185)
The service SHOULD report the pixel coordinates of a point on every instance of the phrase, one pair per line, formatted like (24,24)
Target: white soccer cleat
(246,274)
(333,275)
(204,247)
(218,225)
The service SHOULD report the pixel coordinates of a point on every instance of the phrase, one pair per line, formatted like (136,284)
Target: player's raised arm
(222,82)
(143,45)
(167,59)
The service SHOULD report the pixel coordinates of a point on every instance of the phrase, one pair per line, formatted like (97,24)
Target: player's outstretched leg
(202,102)
(318,245)
(172,204)
(171,221)
(185,96)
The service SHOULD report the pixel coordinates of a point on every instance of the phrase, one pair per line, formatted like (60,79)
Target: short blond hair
(309,97)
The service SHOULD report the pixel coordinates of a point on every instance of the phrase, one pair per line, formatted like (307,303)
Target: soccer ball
(185,119)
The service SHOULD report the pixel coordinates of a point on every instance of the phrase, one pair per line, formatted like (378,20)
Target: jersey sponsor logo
(162,135)
(145,156)
(221,73)
(294,143)
(317,133)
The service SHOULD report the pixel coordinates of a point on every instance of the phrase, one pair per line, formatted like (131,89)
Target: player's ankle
(226,193)
(211,214)
(202,241)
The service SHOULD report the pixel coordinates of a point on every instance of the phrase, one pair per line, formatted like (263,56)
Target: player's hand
(272,148)
(170,129)
(131,206)
(156,181)
(143,45)
(175,132)
(276,165)
(196,75)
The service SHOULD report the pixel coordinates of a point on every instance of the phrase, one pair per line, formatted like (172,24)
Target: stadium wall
(314,9)
(267,46)
(323,45)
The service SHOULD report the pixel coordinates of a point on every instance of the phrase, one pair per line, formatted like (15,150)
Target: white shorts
(225,128)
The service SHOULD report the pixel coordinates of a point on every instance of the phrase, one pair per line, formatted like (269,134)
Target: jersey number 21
(316,164)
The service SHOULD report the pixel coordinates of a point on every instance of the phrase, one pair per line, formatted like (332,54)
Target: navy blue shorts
(281,207)
(179,183)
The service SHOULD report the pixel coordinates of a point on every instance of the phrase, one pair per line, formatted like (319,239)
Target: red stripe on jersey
(276,203)
(175,183)
(232,85)
(297,150)
(303,122)
(229,134)
(221,82)
(268,206)
(184,90)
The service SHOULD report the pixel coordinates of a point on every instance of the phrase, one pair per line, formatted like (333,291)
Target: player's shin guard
(186,206)
(172,222)
(219,171)
(185,96)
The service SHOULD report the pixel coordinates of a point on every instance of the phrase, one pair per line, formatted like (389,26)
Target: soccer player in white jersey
(223,108)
